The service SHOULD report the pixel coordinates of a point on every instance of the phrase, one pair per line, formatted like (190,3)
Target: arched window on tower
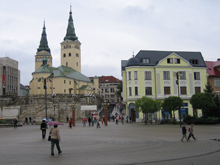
(64,55)
(66,63)
(76,63)
(69,54)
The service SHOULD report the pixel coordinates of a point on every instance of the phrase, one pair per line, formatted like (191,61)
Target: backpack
(189,129)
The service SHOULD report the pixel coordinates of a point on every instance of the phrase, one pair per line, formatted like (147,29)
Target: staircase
(109,110)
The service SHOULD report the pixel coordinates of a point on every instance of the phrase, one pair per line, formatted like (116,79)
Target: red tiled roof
(107,79)
(211,68)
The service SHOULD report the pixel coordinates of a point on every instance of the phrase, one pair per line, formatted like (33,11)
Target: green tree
(203,101)
(146,105)
(172,103)
(209,89)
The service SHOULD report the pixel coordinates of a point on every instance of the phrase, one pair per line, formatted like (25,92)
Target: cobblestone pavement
(128,144)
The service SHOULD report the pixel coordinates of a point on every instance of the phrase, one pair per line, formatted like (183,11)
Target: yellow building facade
(153,74)
(67,78)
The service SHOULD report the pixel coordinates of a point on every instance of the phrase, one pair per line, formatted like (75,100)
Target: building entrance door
(133,115)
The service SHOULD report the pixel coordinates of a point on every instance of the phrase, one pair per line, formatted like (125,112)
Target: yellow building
(67,78)
(153,74)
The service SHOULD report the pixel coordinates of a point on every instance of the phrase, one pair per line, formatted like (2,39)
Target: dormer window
(194,61)
(170,60)
(146,60)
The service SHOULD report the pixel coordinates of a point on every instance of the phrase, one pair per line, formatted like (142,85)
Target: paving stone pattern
(127,144)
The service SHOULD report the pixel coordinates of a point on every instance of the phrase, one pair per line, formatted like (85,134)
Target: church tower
(70,47)
(42,51)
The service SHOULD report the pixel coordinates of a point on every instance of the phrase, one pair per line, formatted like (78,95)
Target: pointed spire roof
(43,42)
(70,32)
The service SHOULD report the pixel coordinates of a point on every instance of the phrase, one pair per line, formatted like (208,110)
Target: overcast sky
(109,30)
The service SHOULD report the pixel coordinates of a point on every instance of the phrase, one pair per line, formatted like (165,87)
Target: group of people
(31,121)
(184,132)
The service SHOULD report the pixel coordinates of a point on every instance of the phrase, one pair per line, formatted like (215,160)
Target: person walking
(67,119)
(55,138)
(70,123)
(127,118)
(89,120)
(184,132)
(43,128)
(191,132)
(15,123)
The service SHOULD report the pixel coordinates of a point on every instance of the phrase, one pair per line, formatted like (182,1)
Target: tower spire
(43,42)
(70,32)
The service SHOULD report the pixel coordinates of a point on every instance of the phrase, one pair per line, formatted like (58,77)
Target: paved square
(127,144)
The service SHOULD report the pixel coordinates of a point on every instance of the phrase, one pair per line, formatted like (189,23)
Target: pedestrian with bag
(184,132)
(191,132)
(55,138)
(43,128)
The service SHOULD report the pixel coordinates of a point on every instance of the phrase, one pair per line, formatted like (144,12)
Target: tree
(172,103)
(203,101)
(209,89)
(146,105)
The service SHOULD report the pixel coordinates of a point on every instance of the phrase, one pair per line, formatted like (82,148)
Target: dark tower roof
(133,62)
(70,32)
(43,41)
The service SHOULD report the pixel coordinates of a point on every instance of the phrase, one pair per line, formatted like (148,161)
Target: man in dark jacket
(191,133)
(184,132)
(43,128)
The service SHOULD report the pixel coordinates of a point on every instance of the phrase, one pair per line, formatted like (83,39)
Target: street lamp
(53,96)
(177,82)
(105,105)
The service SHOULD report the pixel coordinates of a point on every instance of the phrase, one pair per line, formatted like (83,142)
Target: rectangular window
(64,90)
(135,75)
(177,60)
(64,81)
(106,90)
(70,82)
(146,60)
(136,91)
(196,75)
(129,75)
(170,60)
(147,75)
(166,90)
(112,90)
(112,96)
(217,82)
(217,93)
(197,90)
(183,90)
(106,96)
(166,75)
(77,55)
(182,75)
(148,90)
(130,91)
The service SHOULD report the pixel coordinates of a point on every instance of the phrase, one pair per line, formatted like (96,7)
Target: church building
(67,78)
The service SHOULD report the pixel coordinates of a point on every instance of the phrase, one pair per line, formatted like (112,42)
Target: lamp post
(73,105)
(178,85)
(53,96)
(105,104)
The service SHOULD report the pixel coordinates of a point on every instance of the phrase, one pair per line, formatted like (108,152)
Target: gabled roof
(211,68)
(62,71)
(107,79)
(155,56)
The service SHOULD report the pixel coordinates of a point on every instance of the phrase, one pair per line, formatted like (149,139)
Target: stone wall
(58,107)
